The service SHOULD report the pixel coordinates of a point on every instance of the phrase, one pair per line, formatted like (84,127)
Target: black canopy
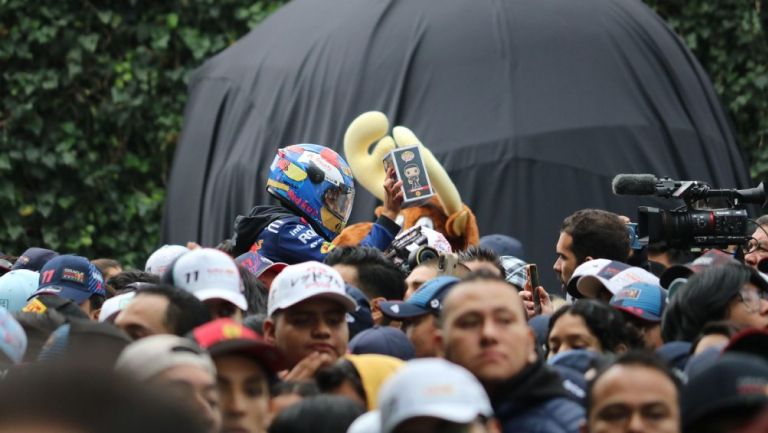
(531,106)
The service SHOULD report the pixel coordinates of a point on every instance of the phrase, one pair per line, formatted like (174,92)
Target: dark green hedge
(92,101)
(93,94)
(729,39)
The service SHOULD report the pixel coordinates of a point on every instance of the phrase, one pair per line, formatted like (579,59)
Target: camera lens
(425,253)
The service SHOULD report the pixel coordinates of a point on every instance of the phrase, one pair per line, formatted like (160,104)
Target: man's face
(759,247)
(412,172)
(313,325)
(219,308)
(485,331)
(749,308)
(196,387)
(244,390)
(421,331)
(144,316)
(418,276)
(634,398)
(570,332)
(566,260)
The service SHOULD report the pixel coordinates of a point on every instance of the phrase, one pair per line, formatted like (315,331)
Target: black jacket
(535,401)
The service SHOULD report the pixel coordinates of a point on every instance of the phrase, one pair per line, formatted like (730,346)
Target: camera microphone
(634,184)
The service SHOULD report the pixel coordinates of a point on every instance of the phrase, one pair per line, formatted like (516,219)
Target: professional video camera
(710,217)
(411,248)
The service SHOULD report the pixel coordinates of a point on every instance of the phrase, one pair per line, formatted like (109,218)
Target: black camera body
(684,228)
(710,217)
(410,249)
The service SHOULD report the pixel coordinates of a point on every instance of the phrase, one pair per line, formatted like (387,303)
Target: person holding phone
(525,277)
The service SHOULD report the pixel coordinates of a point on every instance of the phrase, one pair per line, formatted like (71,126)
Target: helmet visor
(339,200)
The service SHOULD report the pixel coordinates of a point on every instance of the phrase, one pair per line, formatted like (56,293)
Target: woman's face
(749,308)
(570,332)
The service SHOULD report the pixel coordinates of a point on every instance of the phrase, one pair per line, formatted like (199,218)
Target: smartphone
(532,281)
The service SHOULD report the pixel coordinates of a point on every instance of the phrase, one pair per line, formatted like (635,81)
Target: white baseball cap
(162,258)
(306,280)
(369,422)
(114,305)
(611,274)
(209,273)
(432,387)
(146,358)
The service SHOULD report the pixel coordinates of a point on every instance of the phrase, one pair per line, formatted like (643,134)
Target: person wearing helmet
(316,190)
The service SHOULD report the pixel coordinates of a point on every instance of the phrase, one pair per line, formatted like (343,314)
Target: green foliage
(92,102)
(729,39)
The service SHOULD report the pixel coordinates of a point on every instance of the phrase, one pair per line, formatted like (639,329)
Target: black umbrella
(531,106)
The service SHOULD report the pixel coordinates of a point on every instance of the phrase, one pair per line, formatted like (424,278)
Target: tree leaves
(729,39)
(93,96)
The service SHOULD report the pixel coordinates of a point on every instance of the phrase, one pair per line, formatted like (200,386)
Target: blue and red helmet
(315,181)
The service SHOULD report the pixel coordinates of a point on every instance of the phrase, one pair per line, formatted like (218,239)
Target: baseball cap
(34,258)
(643,300)
(611,274)
(360,319)
(710,258)
(146,358)
(257,265)
(297,283)
(589,267)
(734,381)
(502,245)
(369,422)
(384,340)
(16,287)
(114,305)
(514,270)
(71,277)
(13,339)
(162,258)
(209,273)
(102,342)
(427,299)
(432,387)
(223,336)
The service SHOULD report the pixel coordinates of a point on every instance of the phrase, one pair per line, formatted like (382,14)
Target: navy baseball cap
(427,299)
(643,300)
(34,259)
(734,381)
(70,277)
(362,318)
(384,340)
(503,245)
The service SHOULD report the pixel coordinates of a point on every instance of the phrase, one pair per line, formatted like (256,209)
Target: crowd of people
(279,330)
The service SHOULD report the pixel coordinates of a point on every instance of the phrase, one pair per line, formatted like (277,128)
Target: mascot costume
(445,213)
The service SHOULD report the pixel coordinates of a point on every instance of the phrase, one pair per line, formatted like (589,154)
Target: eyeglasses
(754,246)
(752,299)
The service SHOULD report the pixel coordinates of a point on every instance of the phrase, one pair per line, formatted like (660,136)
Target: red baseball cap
(225,336)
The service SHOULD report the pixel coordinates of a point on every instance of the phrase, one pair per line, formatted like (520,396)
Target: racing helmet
(316,182)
